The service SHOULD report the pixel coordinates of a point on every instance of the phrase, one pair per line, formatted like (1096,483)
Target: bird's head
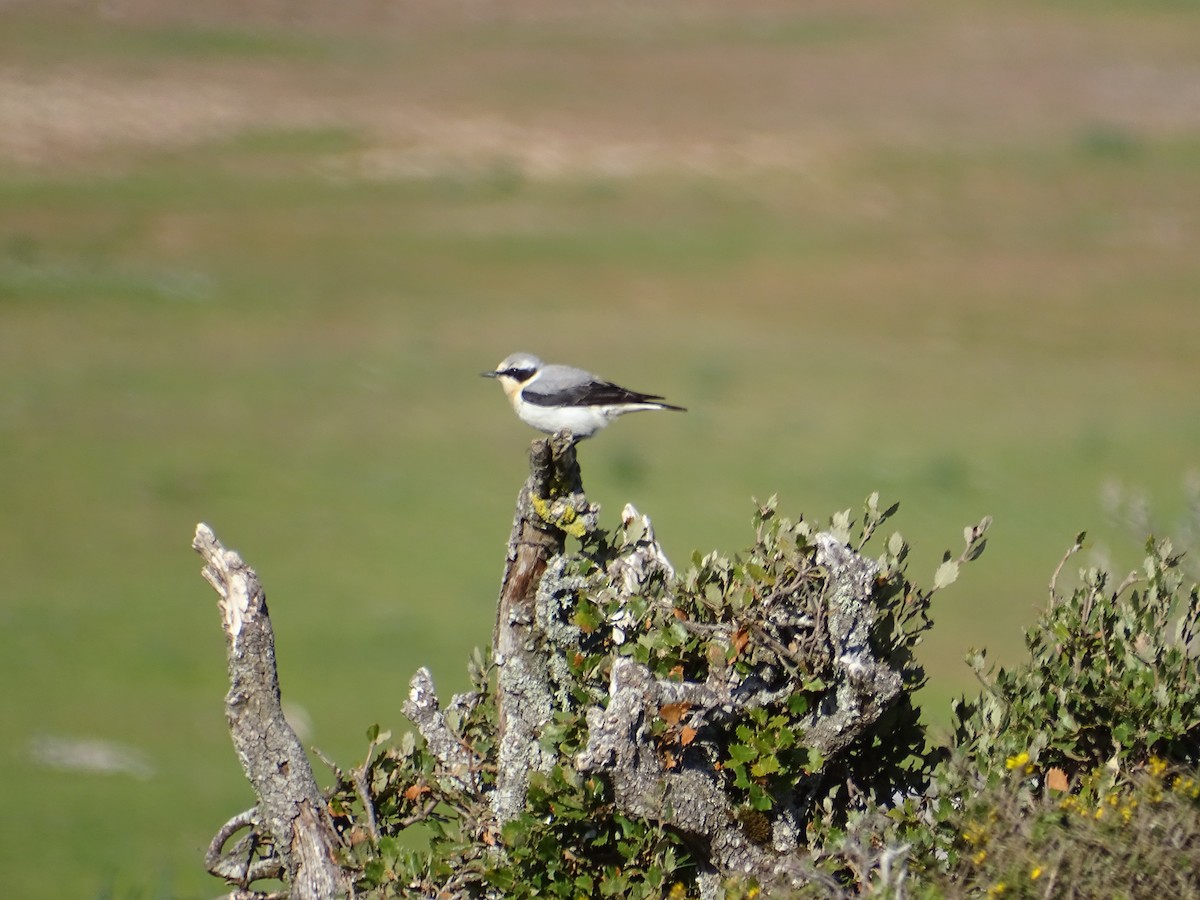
(515,371)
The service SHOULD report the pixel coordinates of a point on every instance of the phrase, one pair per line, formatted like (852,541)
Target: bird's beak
(488,374)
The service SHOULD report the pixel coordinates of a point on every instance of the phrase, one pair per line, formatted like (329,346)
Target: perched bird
(556,398)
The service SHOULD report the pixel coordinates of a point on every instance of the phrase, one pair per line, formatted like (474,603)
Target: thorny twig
(1054,595)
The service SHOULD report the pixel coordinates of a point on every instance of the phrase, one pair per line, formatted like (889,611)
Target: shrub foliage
(1070,775)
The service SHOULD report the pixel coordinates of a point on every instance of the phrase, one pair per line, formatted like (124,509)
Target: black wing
(588,393)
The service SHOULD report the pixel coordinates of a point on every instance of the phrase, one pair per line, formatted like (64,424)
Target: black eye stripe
(519,374)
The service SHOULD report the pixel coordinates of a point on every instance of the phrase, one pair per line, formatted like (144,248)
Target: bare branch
(247,861)
(1054,597)
(291,808)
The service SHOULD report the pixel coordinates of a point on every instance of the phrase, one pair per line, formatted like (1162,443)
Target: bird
(554,398)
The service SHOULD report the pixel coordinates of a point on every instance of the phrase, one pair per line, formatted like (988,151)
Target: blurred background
(253,257)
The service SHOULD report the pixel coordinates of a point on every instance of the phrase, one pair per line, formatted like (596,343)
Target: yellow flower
(997,889)
(979,857)
(678,890)
(1157,766)
(1020,761)
(1035,873)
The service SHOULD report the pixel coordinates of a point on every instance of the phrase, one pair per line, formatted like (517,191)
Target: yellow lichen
(566,518)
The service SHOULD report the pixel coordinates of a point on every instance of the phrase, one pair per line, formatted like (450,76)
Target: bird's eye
(519,374)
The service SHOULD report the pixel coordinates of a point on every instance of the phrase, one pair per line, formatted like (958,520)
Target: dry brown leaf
(1056,780)
(741,638)
(413,792)
(673,712)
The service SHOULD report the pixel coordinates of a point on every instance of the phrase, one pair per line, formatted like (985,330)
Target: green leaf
(515,832)
(374,872)
(741,753)
(587,618)
(389,848)
(946,574)
(768,765)
(758,573)
(839,524)
(760,799)
(408,744)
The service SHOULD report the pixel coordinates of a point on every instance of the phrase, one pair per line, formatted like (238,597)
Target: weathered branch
(458,763)
(291,809)
(621,746)
(867,686)
(249,860)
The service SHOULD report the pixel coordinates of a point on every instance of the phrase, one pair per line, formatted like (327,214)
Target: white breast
(581,421)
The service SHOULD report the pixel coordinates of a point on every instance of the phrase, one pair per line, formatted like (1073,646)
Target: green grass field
(249,271)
